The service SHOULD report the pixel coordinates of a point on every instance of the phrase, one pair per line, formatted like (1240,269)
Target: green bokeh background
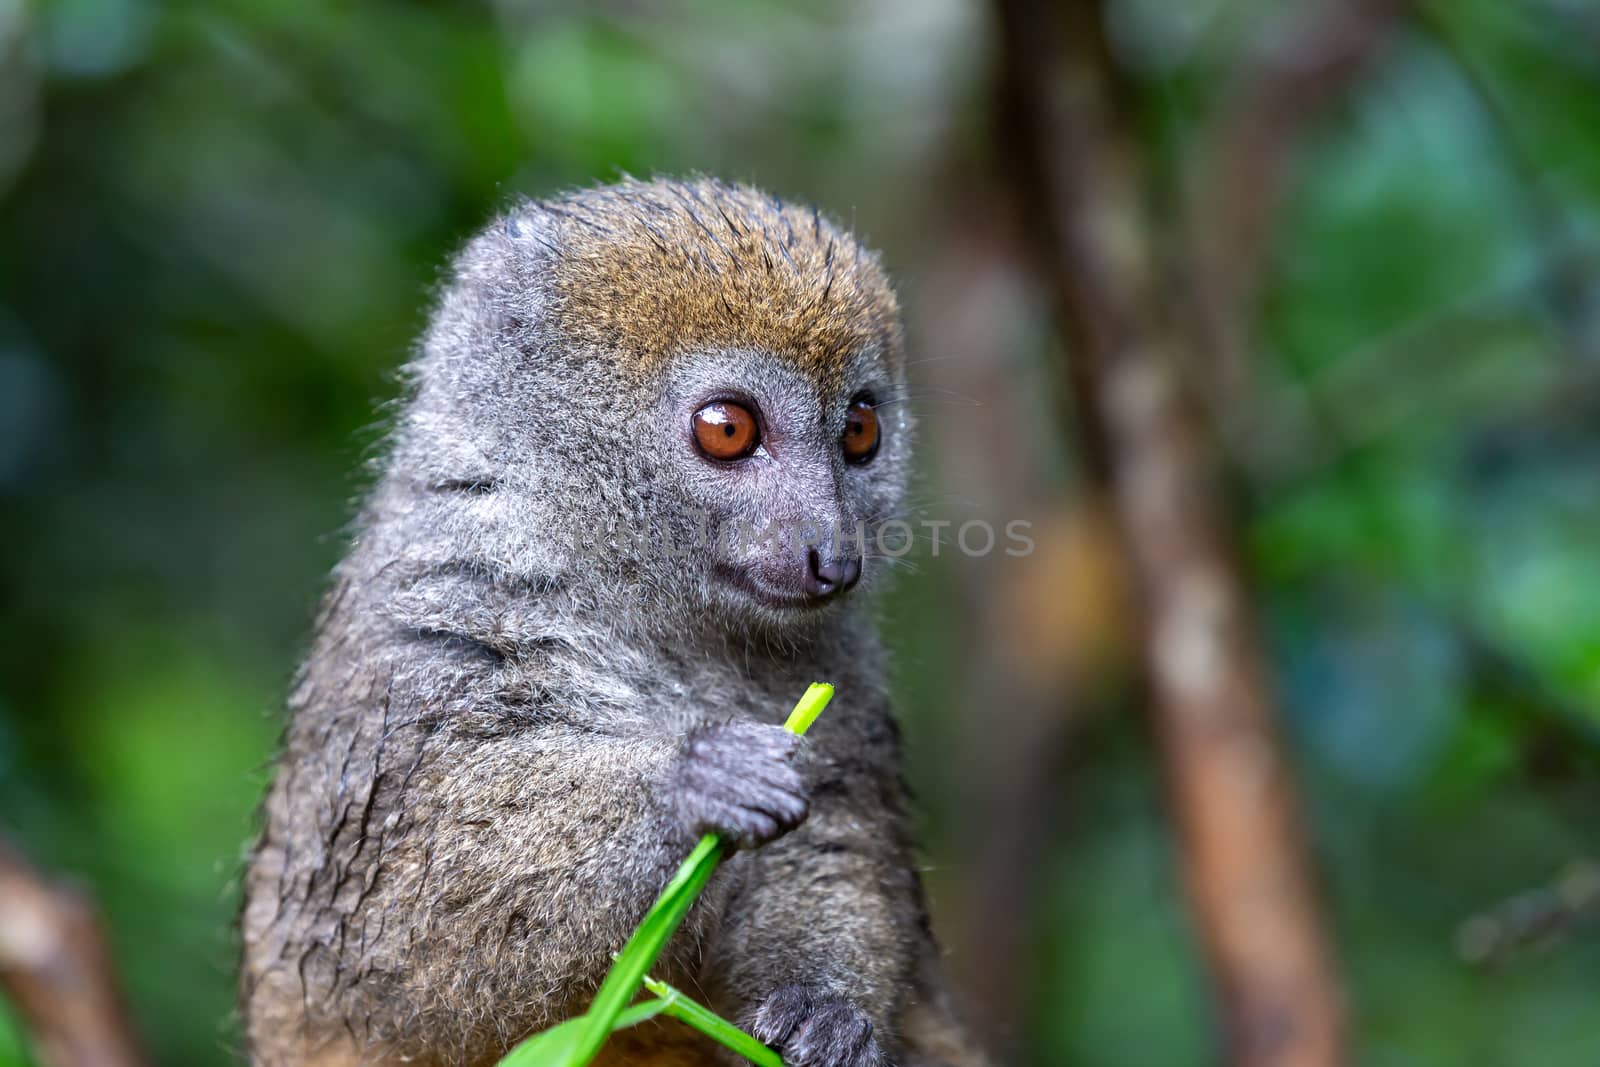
(220,224)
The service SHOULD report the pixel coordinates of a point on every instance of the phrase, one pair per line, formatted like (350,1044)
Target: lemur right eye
(860,432)
(726,431)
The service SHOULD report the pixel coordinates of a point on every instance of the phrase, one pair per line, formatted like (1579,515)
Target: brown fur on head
(653,269)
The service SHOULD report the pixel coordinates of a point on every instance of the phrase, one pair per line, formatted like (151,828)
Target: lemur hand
(810,1029)
(736,779)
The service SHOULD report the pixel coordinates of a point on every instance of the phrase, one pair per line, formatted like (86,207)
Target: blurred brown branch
(56,969)
(1539,917)
(1083,190)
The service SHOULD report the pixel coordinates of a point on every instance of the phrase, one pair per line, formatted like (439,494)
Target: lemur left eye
(860,441)
(726,431)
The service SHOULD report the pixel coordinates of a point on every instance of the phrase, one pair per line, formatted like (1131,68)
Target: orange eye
(861,433)
(726,431)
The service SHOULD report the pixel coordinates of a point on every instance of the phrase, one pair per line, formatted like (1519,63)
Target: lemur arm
(833,913)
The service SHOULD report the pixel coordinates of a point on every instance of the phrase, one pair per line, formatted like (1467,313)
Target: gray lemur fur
(517,716)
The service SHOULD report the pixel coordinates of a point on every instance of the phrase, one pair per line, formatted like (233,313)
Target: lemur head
(690,393)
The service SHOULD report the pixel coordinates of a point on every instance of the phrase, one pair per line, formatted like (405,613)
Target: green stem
(810,706)
(640,1012)
(642,949)
(711,1024)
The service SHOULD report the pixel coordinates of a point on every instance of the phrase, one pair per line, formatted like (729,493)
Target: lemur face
(791,477)
(709,381)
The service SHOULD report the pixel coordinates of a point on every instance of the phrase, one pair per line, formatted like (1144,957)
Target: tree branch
(1083,191)
(56,969)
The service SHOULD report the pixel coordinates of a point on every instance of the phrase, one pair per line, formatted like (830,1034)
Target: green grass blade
(635,1014)
(714,1026)
(642,949)
(555,1045)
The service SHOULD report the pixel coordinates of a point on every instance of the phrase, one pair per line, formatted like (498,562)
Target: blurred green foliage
(219,226)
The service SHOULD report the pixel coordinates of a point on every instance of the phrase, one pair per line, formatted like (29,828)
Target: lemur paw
(735,779)
(812,1030)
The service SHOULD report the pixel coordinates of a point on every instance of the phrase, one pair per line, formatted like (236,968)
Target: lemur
(536,678)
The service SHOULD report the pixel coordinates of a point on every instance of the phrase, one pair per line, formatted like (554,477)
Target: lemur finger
(836,1034)
(780,1013)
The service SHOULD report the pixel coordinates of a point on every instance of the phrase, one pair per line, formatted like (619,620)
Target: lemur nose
(825,579)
